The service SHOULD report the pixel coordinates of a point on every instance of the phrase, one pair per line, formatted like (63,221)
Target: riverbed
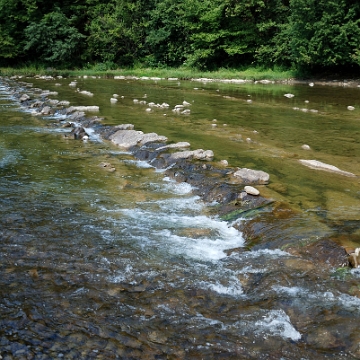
(129,264)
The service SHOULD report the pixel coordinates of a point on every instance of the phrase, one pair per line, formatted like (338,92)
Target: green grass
(181,73)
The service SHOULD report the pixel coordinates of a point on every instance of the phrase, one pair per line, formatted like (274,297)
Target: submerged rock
(79,133)
(318,165)
(327,252)
(107,166)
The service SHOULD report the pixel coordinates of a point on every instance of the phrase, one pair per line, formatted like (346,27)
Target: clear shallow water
(266,134)
(128,264)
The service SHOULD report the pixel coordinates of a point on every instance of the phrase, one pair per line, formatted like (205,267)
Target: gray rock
(129,138)
(79,133)
(86,108)
(248,176)
(251,190)
(198,154)
(46,110)
(124,127)
(24,97)
(318,165)
(179,145)
(64,103)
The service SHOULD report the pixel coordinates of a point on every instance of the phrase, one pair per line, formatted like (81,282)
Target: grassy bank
(181,73)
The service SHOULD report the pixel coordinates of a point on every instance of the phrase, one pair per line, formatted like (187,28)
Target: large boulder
(127,139)
(249,176)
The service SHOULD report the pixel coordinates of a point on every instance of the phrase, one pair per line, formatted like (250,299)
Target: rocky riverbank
(234,193)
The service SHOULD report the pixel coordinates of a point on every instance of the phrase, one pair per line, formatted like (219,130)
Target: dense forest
(203,34)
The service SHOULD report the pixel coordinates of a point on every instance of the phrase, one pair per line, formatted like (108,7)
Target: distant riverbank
(180,73)
(248,74)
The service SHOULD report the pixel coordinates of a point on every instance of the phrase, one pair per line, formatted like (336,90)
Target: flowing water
(131,265)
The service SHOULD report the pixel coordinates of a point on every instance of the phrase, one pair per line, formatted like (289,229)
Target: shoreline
(173,74)
(211,181)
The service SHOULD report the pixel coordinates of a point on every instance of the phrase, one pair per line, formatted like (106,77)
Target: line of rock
(230,188)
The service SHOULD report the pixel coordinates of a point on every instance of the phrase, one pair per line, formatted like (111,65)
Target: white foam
(278,323)
(351,303)
(327,298)
(93,135)
(232,288)
(251,270)
(211,235)
(174,187)
(174,206)
(294,291)
(268,252)
(204,248)
(139,163)
(123,275)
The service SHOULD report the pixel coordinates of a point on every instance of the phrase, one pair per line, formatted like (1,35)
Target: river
(129,264)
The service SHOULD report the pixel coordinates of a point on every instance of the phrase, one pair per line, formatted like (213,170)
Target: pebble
(251,190)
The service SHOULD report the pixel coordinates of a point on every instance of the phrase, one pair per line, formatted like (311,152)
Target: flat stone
(129,138)
(124,127)
(198,154)
(318,165)
(179,145)
(249,176)
(86,108)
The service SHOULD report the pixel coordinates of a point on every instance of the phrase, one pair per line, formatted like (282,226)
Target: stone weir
(234,193)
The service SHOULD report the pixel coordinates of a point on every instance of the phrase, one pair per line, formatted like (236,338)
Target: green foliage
(325,33)
(304,35)
(12,18)
(167,37)
(53,39)
(8,45)
(116,31)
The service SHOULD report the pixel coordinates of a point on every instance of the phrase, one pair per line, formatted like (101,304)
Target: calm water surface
(130,265)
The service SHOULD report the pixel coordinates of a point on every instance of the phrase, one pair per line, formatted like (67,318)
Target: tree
(54,40)
(167,37)
(117,31)
(14,16)
(325,32)
(233,32)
